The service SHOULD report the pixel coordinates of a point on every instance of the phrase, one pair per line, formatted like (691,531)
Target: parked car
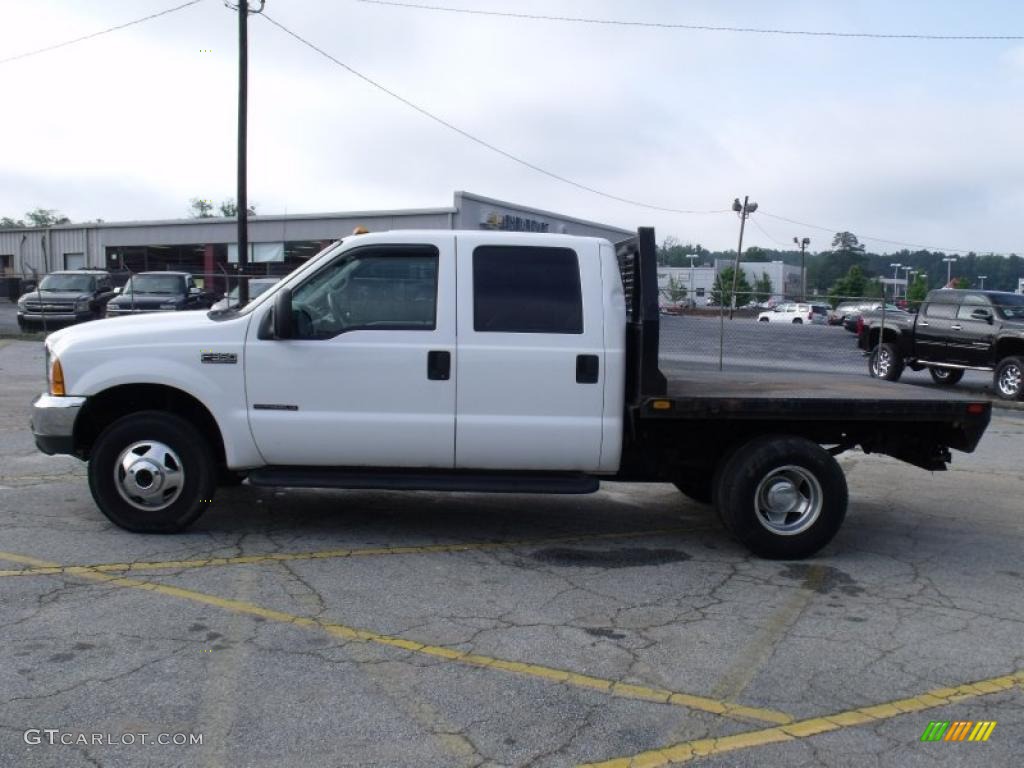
(159,292)
(796,313)
(955,331)
(257,285)
(838,315)
(65,297)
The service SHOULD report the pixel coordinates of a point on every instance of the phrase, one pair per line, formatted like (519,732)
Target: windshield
(156,285)
(79,283)
(1011,306)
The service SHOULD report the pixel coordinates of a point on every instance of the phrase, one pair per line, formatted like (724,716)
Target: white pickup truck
(475,361)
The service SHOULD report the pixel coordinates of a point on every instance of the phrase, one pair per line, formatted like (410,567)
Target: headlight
(81,305)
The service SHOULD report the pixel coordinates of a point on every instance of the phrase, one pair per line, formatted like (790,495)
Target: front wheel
(886,362)
(784,497)
(1009,378)
(152,472)
(946,377)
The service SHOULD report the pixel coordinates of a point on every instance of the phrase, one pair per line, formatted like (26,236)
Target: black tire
(816,485)
(763,320)
(188,451)
(797,321)
(890,367)
(695,487)
(946,377)
(1008,380)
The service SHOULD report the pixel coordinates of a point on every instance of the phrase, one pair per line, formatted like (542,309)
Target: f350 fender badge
(218,358)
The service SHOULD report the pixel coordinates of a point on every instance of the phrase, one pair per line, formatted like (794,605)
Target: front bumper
(53,422)
(37,318)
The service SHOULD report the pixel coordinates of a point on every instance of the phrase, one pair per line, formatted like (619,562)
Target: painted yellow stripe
(690,750)
(328,554)
(611,687)
(988,732)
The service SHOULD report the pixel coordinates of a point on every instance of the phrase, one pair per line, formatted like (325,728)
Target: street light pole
(949,268)
(744,211)
(803,242)
(693,300)
(982,278)
(895,277)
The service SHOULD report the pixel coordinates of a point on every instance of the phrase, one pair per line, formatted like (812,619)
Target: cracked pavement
(431,629)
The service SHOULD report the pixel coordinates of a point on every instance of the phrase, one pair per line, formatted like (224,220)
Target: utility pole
(949,268)
(243,108)
(744,211)
(803,242)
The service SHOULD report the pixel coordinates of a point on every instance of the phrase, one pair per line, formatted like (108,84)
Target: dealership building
(208,246)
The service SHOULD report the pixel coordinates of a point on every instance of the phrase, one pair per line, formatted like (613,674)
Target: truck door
(531,371)
(932,330)
(370,378)
(972,333)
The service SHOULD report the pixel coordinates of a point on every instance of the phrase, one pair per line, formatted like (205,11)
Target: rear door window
(525,289)
(940,310)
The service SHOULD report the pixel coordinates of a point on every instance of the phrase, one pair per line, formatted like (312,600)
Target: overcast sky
(919,141)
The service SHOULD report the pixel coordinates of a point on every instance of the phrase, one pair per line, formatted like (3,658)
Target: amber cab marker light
(661,405)
(56,378)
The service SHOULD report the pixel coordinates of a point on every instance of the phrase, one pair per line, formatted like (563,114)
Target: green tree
(721,291)
(200,209)
(916,291)
(961,282)
(8,223)
(229,208)
(46,217)
(675,292)
(762,288)
(855,284)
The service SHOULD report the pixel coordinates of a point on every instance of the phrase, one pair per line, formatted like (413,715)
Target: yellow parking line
(329,554)
(611,687)
(690,750)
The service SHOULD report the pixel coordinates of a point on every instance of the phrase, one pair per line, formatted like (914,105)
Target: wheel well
(888,335)
(108,406)
(1008,347)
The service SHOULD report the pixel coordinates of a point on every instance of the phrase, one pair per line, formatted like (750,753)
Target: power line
(769,236)
(833,230)
(690,27)
(97,34)
(467,135)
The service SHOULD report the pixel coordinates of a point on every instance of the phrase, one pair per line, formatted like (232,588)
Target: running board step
(398,480)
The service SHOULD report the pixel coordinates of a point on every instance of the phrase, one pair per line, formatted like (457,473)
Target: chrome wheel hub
(788,500)
(882,362)
(149,475)
(1010,380)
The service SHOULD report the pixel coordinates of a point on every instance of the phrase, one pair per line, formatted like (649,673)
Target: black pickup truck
(954,331)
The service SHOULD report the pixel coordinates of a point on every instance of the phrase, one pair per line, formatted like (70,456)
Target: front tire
(152,472)
(783,497)
(946,377)
(886,362)
(1009,378)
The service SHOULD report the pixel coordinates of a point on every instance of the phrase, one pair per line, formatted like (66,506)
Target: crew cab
(466,361)
(158,292)
(63,297)
(955,330)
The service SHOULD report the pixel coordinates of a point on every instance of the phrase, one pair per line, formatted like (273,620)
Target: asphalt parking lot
(431,629)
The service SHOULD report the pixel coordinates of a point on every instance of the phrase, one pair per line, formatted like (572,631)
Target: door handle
(588,369)
(956,327)
(439,365)
(922,325)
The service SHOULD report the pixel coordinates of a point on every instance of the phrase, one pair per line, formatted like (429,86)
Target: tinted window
(369,289)
(521,289)
(967,311)
(940,310)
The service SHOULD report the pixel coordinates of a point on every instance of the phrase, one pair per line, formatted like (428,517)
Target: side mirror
(284,326)
(981,314)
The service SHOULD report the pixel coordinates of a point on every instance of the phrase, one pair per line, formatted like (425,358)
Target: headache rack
(638,266)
